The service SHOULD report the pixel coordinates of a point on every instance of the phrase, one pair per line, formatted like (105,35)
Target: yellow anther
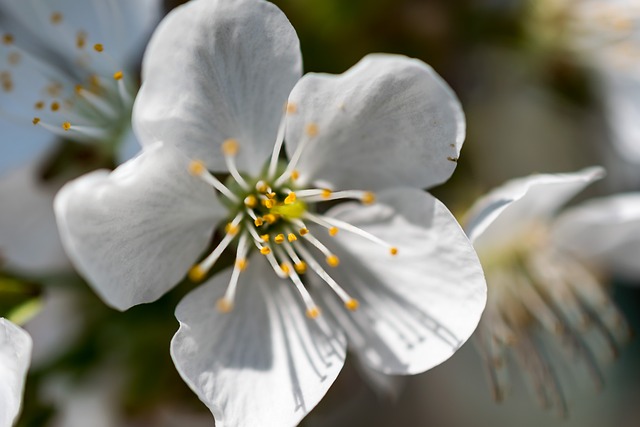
(56,18)
(7,85)
(270,218)
(352,304)
(304,231)
(326,193)
(333,261)
(196,167)
(291,198)
(268,203)
(230,147)
(311,129)
(285,269)
(313,312)
(66,126)
(265,237)
(250,201)
(301,267)
(262,187)
(35,120)
(98,47)
(81,40)
(118,75)
(291,108)
(279,238)
(295,174)
(258,222)
(224,305)
(39,105)
(271,195)
(393,250)
(7,38)
(291,237)
(78,89)
(13,58)
(368,198)
(333,231)
(241,264)
(55,106)
(231,229)
(265,250)
(196,273)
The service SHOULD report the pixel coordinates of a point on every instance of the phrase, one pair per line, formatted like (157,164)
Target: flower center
(269,214)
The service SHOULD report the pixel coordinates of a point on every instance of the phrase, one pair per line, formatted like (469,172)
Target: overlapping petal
(419,307)
(388,121)
(511,208)
(605,231)
(135,232)
(262,364)
(15,355)
(233,65)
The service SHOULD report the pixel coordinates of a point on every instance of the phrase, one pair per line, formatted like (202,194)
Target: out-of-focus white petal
(510,209)
(29,241)
(15,355)
(263,364)
(217,70)
(388,121)
(134,233)
(418,307)
(605,230)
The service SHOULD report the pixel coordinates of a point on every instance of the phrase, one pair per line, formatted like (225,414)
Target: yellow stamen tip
(301,267)
(250,201)
(231,229)
(279,238)
(333,261)
(271,195)
(66,126)
(258,222)
(291,108)
(393,250)
(241,264)
(265,250)
(262,187)
(291,198)
(224,305)
(311,129)
(230,147)
(352,304)
(368,198)
(56,17)
(7,38)
(285,269)
(313,312)
(326,193)
(98,47)
(196,273)
(304,231)
(39,105)
(118,75)
(268,203)
(35,120)
(295,174)
(265,237)
(55,106)
(196,167)
(291,237)
(333,231)
(270,218)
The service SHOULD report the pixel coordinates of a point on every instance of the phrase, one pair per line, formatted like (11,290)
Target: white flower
(393,272)
(15,354)
(67,73)
(544,277)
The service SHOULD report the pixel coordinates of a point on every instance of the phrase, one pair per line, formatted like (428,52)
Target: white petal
(418,307)
(216,70)
(134,233)
(388,121)
(29,241)
(15,354)
(606,231)
(503,213)
(263,364)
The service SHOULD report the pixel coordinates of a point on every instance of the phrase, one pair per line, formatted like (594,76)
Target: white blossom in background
(68,71)
(547,274)
(15,355)
(261,342)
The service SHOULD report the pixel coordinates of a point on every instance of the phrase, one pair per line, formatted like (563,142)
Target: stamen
(56,18)
(226,302)
(277,147)
(291,198)
(312,309)
(333,231)
(90,131)
(265,250)
(230,148)
(332,260)
(250,201)
(291,237)
(197,168)
(299,265)
(200,270)
(118,75)
(311,130)
(366,197)
(98,47)
(279,239)
(7,38)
